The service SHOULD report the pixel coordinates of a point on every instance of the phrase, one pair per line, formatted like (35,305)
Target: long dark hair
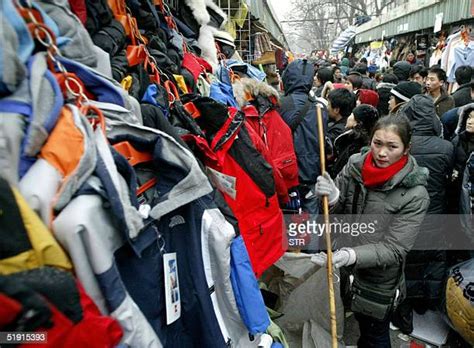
(399,124)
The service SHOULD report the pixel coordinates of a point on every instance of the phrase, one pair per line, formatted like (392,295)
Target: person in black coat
(389,81)
(463,95)
(341,104)
(426,263)
(359,127)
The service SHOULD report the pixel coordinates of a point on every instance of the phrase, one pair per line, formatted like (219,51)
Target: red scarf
(374,176)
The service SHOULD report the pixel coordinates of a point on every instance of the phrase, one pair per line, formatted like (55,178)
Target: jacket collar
(186,183)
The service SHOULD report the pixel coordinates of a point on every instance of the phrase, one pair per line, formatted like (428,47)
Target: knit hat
(367,96)
(402,70)
(405,90)
(366,116)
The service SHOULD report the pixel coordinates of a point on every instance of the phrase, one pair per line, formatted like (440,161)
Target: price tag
(172,295)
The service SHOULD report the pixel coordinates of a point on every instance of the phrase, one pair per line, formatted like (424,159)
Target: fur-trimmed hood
(463,112)
(256,89)
(200,11)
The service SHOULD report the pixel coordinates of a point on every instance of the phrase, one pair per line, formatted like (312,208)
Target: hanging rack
(44,35)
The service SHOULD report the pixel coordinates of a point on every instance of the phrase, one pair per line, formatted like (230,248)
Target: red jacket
(235,165)
(279,141)
(93,330)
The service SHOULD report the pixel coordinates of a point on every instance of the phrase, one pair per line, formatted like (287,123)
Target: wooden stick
(332,298)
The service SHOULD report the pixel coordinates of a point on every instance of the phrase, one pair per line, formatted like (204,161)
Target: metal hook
(39,28)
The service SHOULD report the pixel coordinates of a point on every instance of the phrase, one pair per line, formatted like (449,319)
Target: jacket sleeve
(400,235)
(342,183)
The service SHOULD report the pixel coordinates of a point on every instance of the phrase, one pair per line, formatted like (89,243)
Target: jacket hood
(345,62)
(463,112)
(298,76)
(421,113)
(260,91)
(186,183)
(410,176)
(402,70)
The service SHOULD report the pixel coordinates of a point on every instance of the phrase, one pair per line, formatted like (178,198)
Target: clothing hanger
(173,94)
(132,155)
(72,85)
(135,157)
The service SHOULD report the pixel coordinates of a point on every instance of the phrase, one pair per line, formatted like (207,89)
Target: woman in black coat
(359,126)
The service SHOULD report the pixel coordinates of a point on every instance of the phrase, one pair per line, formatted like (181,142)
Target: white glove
(344,257)
(325,186)
(320,259)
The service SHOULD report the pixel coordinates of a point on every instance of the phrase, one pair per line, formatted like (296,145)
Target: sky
(281,7)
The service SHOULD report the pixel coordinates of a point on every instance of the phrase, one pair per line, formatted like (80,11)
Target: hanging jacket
(28,116)
(247,292)
(297,81)
(65,162)
(17,46)
(258,136)
(177,215)
(241,173)
(26,242)
(68,318)
(264,118)
(30,257)
(79,46)
(71,153)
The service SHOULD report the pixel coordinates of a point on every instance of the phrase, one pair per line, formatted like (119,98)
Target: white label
(225,183)
(438,22)
(172,295)
(144,210)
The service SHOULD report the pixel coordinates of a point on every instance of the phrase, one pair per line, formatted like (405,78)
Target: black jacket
(383,89)
(429,149)
(345,145)
(336,128)
(462,96)
(425,265)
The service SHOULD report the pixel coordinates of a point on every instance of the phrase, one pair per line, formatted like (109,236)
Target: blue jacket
(297,81)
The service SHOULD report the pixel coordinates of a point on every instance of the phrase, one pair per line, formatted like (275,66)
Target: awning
(343,39)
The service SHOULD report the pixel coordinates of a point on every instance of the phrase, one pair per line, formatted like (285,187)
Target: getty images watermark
(432,232)
(297,231)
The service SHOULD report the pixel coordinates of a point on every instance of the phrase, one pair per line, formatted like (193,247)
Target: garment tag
(223,182)
(144,210)
(172,295)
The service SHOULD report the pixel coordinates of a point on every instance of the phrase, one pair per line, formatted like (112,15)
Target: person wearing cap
(402,93)
(367,96)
